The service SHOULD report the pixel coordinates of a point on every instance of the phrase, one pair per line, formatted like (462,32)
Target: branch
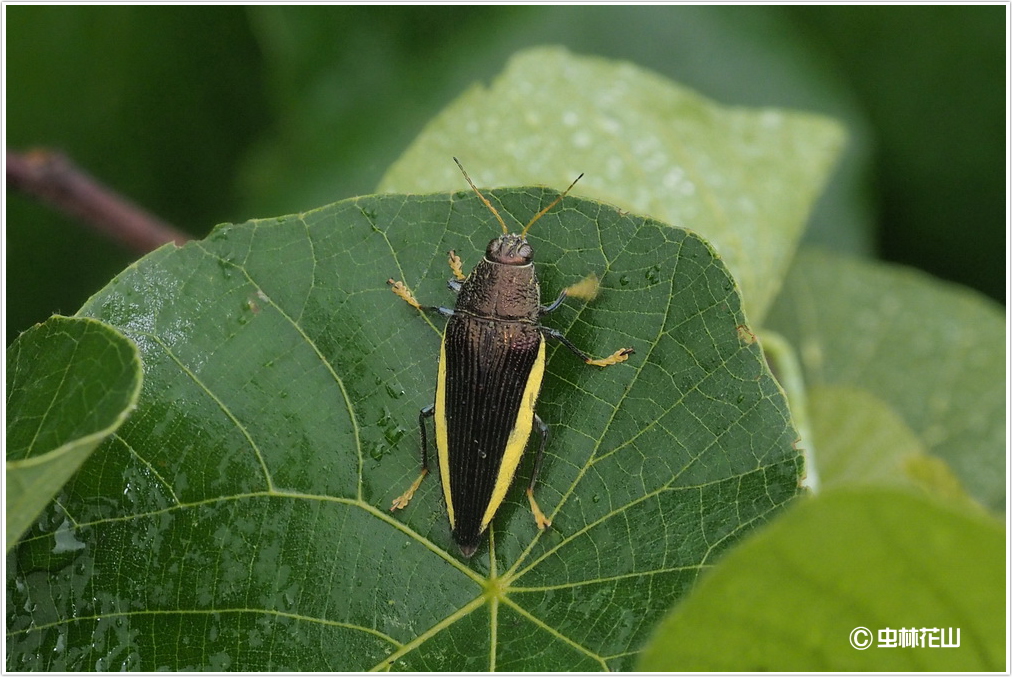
(52,178)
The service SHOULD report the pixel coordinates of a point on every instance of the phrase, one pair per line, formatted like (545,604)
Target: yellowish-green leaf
(862,441)
(790,597)
(932,352)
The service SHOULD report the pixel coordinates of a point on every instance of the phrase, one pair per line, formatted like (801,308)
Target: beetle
(491,364)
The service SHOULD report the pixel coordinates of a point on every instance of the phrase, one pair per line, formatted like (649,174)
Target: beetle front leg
(456,265)
(402,291)
(405,498)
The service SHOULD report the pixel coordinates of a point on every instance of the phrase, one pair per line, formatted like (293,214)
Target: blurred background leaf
(223,113)
(744,179)
(788,598)
(160,103)
(928,352)
(862,440)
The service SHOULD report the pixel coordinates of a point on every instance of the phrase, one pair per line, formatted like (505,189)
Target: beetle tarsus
(539,517)
(401,290)
(405,498)
(586,289)
(620,355)
(456,265)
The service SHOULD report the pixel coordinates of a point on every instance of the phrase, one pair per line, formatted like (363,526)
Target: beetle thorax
(502,290)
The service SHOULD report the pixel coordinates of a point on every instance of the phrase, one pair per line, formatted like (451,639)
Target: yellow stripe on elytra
(518,436)
(442,441)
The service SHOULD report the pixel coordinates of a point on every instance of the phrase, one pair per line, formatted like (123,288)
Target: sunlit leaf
(745,179)
(862,441)
(789,599)
(932,352)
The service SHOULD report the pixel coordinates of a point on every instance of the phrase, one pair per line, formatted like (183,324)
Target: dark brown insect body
(491,370)
(491,364)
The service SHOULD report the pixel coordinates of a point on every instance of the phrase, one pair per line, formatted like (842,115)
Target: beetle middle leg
(405,498)
(586,289)
(620,355)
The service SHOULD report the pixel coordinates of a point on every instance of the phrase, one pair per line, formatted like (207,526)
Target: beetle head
(510,249)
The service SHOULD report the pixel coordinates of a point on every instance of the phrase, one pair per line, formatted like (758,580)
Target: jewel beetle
(491,364)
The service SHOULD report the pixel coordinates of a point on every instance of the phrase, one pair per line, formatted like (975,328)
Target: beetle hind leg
(539,517)
(405,498)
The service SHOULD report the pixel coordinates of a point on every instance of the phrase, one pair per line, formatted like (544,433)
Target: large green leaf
(745,179)
(788,599)
(930,351)
(71,383)
(240,519)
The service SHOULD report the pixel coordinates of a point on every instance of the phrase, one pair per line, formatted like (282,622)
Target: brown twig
(52,178)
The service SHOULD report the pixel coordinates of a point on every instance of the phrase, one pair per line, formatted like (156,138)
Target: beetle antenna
(488,204)
(556,201)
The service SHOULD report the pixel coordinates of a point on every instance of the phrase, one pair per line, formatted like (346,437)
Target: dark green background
(219,114)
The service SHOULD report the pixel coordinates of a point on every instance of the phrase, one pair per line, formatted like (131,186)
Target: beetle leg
(544,310)
(402,291)
(454,285)
(456,265)
(405,498)
(539,517)
(620,355)
(424,413)
(585,289)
